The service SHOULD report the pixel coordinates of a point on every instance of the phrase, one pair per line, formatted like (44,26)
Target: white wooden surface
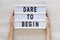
(53,7)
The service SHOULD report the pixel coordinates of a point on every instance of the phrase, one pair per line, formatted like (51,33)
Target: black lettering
(33,24)
(29,9)
(22,24)
(26,23)
(37,24)
(31,17)
(24,9)
(35,9)
(30,24)
(27,16)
